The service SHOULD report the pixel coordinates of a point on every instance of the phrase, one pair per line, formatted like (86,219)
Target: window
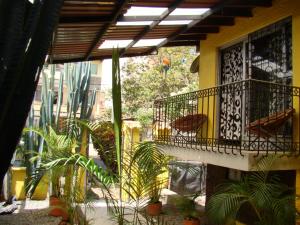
(266,55)
(270,53)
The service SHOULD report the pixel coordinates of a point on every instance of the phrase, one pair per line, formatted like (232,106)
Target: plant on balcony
(259,193)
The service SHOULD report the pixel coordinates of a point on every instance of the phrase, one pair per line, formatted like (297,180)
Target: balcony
(241,120)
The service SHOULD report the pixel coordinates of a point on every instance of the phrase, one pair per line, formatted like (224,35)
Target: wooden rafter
(84,25)
(251,3)
(147,29)
(195,37)
(118,10)
(185,28)
(89,19)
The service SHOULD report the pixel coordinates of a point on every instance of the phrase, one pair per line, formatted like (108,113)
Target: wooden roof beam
(217,21)
(100,57)
(185,28)
(203,29)
(251,3)
(147,29)
(84,19)
(235,12)
(195,37)
(182,43)
(118,10)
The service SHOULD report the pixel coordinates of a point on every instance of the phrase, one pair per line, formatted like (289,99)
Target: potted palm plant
(153,166)
(187,207)
(154,206)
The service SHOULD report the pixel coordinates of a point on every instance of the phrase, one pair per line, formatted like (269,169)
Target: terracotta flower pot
(154,209)
(54,201)
(191,221)
(58,208)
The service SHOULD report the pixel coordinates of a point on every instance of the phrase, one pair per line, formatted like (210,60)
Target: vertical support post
(131,136)
(81,172)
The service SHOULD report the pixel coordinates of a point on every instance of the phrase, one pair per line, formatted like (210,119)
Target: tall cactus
(78,77)
(48,98)
(30,142)
(47,103)
(80,103)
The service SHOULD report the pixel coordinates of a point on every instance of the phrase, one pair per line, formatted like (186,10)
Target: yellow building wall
(18,177)
(262,17)
(41,190)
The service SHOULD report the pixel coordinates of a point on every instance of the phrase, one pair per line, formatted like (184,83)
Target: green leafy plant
(104,142)
(60,160)
(144,81)
(187,207)
(152,163)
(269,200)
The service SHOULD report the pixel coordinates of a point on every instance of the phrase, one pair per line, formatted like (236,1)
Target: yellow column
(18,176)
(131,136)
(82,172)
(296,65)
(296,82)
(298,193)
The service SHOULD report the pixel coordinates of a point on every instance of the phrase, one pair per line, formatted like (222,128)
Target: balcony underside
(235,159)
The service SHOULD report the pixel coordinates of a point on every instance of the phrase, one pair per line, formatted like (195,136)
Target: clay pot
(191,221)
(58,208)
(54,201)
(154,209)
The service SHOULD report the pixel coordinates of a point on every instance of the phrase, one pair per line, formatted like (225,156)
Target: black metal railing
(248,115)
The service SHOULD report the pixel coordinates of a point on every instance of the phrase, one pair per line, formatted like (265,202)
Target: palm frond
(147,155)
(283,211)
(224,206)
(271,200)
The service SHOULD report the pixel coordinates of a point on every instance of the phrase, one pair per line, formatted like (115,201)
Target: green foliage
(187,207)
(104,142)
(141,183)
(144,116)
(148,163)
(144,80)
(78,76)
(271,201)
(117,106)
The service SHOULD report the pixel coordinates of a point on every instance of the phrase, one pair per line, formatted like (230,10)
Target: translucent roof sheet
(137,23)
(145,11)
(114,44)
(175,22)
(149,42)
(189,11)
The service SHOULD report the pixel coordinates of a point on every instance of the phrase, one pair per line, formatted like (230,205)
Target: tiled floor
(31,212)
